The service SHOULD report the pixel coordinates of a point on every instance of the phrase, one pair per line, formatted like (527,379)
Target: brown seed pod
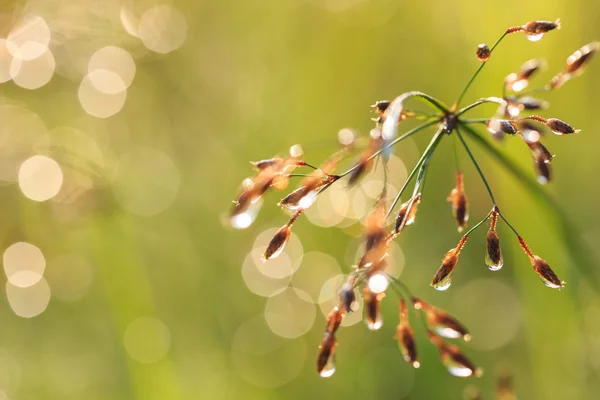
(453,359)
(403,211)
(277,243)
(459,203)
(535,28)
(539,151)
(483,52)
(334,319)
(326,356)
(548,276)
(560,127)
(271,162)
(543,170)
(347,297)
(443,277)
(374,320)
(577,61)
(531,103)
(493,254)
(406,337)
(441,322)
(499,127)
(518,81)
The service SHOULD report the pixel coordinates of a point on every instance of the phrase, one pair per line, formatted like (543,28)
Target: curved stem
(475,121)
(580,253)
(485,182)
(462,94)
(479,102)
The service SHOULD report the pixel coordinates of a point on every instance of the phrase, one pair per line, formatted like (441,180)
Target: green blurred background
(142,294)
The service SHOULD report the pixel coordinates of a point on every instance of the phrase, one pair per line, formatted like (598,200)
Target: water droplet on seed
(535,38)
(329,369)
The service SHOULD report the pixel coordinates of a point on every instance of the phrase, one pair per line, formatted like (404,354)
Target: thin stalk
(479,70)
(581,255)
(478,224)
(475,121)
(394,142)
(485,182)
(432,145)
(478,103)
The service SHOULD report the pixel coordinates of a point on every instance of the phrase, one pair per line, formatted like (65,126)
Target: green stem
(478,103)
(475,121)
(569,234)
(479,70)
(432,145)
(485,182)
(477,225)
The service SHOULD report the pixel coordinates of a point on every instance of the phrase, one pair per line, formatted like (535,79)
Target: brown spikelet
(531,103)
(271,162)
(518,81)
(493,254)
(347,297)
(277,243)
(540,27)
(441,322)
(326,355)
(544,271)
(560,127)
(453,359)
(543,169)
(443,277)
(373,316)
(459,203)
(334,319)
(406,337)
(577,61)
(483,52)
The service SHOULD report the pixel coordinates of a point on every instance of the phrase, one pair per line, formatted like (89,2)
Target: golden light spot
(290,313)
(162,29)
(27,302)
(29,38)
(108,61)
(34,73)
(97,103)
(40,178)
(24,264)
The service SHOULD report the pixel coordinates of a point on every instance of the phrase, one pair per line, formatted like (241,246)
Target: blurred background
(126,127)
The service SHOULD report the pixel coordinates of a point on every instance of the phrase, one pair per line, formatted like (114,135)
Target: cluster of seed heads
(369,275)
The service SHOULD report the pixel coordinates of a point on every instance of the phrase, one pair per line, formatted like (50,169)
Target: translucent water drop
(375,324)
(378,283)
(447,332)
(519,85)
(534,38)
(493,266)
(443,284)
(459,370)
(329,369)
(307,200)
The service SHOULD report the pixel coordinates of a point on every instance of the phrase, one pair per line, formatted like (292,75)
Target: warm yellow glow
(40,178)
(162,29)
(24,264)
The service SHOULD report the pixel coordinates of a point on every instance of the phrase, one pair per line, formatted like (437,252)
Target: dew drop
(459,370)
(447,332)
(443,284)
(374,325)
(329,369)
(307,200)
(491,264)
(519,85)
(534,38)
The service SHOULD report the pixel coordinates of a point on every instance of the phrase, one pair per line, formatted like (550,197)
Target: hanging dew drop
(443,285)
(535,38)
(375,324)
(329,369)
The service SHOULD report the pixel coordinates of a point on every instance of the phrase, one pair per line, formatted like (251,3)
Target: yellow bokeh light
(40,178)
(27,302)
(162,29)
(24,264)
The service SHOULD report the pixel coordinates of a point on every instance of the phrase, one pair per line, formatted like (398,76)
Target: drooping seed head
(406,339)
(326,356)
(518,81)
(459,203)
(453,359)
(543,170)
(530,132)
(577,61)
(544,271)
(380,106)
(540,152)
(334,319)
(446,325)
(277,243)
(443,277)
(560,127)
(535,30)
(531,103)
(493,253)
(499,127)
(483,52)
(271,162)
(348,297)
(374,319)
(412,214)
